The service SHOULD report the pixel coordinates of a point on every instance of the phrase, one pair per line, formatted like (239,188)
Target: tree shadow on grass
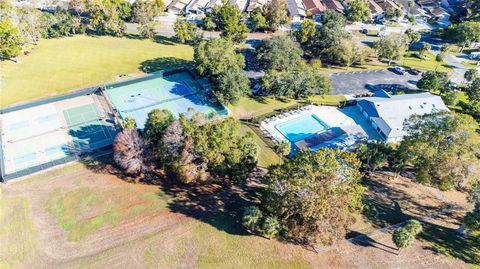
(163,63)
(361,239)
(448,241)
(220,206)
(169,41)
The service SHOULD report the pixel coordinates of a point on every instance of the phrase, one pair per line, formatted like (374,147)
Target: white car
(400,70)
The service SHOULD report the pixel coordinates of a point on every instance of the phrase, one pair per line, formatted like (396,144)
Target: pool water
(301,127)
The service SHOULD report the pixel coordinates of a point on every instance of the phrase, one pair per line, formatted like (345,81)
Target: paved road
(351,83)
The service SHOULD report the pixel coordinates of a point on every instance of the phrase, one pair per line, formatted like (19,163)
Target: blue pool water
(302,127)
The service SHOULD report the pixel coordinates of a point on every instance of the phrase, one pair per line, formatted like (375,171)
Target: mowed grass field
(57,66)
(79,217)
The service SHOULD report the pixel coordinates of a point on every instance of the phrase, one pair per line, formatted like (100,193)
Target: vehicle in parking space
(414,71)
(399,70)
(364,31)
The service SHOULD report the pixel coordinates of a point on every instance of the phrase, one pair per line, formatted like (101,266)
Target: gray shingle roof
(389,113)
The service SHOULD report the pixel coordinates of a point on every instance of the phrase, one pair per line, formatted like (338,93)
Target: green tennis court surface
(88,128)
(178,93)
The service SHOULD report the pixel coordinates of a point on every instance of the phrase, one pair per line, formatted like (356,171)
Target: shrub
(414,227)
(270,227)
(251,218)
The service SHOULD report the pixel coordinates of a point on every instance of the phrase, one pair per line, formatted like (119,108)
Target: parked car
(414,71)
(364,31)
(399,70)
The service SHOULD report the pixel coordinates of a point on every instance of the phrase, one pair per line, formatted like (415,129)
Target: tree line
(22,27)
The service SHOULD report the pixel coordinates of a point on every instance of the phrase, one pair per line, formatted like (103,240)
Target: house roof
(388,4)
(334,5)
(254,4)
(296,8)
(438,11)
(374,7)
(389,113)
(314,6)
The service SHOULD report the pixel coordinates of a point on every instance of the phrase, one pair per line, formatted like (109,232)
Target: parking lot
(351,83)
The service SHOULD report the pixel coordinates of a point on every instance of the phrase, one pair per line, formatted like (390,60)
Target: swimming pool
(301,127)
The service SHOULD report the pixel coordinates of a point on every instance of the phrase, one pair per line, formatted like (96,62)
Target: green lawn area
(17,235)
(471,64)
(427,64)
(249,107)
(365,67)
(57,66)
(266,155)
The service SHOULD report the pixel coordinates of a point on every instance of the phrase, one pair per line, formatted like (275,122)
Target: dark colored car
(414,71)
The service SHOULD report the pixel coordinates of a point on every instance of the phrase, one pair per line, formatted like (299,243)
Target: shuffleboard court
(178,92)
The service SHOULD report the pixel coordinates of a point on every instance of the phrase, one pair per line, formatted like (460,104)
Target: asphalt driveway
(352,83)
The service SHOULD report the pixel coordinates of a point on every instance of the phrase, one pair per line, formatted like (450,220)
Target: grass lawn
(266,155)
(17,235)
(365,67)
(249,107)
(83,210)
(427,64)
(471,64)
(57,66)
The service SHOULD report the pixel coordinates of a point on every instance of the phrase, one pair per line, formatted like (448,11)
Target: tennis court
(88,127)
(178,93)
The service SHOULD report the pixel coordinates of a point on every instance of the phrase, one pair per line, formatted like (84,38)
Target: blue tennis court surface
(177,92)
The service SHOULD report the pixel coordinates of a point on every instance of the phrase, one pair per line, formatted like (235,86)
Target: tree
(451,98)
(471,74)
(425,48)
(464,33)
(251,218)
(10,41)
(374,155)
(402,238)
(144,14)
(228,19)
(358,11)
(473,91)
(156,123)
(393,13)
(327,43)
(307,32)
(28,21)
(130,123)
(211,150)
(439,58)
(412,36)
(187,32)
(434,81)
(314,194)
(105,16)
(443,149)
(414,227)
(270,227)
(276,14)
(283,148)
(216,56)
(130,152)
(279,52)
(297,81)
(258,20)
(391,47)
(352,53)
(472,218)
(230,86)
(445,48)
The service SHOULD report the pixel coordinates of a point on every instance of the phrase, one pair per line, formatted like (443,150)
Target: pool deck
(352,126)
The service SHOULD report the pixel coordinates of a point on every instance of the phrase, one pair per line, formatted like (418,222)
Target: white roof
(390,112)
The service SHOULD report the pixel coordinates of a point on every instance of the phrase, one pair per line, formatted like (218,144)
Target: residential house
(296,10)
(334,5)
(387,113)
(315,8)
(375,9)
